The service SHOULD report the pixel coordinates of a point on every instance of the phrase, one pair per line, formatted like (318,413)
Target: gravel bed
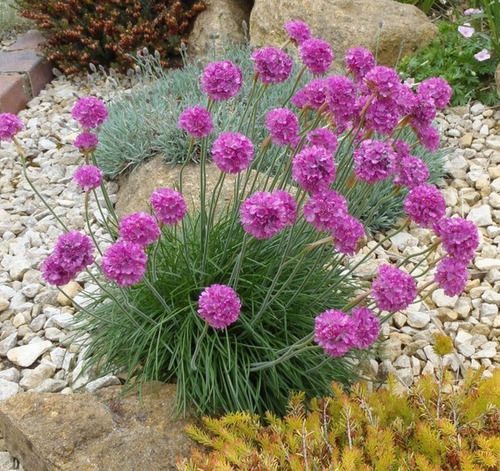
(36,353)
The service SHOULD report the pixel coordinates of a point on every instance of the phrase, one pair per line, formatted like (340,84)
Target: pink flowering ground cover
(240,305)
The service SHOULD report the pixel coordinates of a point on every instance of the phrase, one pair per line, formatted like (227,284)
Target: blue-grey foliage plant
(240,302)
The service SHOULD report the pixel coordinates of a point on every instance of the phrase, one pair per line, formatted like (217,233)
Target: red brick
(13,93)
(27,61)
(30,40)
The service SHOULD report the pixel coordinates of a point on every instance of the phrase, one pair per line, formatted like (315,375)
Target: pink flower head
(169,206)
(374,161)
(125,263)
(298,31)
(334,331)
(74,251)
(232,152)
(324,209)
(482,55)
(428,137)
(219,305)
(55,272)
(425,205)
(263,214)
(341,98)
(86,142)
(90,112)
(406,100)
(473,11)
(411,172)
(317,55)
(393,289)
(283,126)
(272,65)
(88,177)
(459,236)
(10,125)
(383,81)
(140,228)
(221,80)
(424,111)
(359,61)
(347,231)
(196,121)
(312,95)
(366,327)
(402,148)
(289,205)
(323,137)
(452,276)
(314,168)
(466,31)
(437,89)
(382,116)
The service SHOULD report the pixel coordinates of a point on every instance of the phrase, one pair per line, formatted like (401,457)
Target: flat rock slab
(95,432)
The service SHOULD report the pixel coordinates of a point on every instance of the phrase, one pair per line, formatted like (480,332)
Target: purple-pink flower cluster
(221,80)
(72,253)
(10,125)
(88,177)
(232,152)
(196,121)
(374,161)
(317,55)
(383,81)
(168,205)
(272,65)
(359,61)
(86,142)
(313,95)
(264,214)
(140,228)
(460,238)
(452,276)
(283,126)
(90,112)
(393,289)
(314,169)
(425,205)
(325,138)
(437,89)
(124,263)
(298,31)
(219,305)
(411,172)
(337,332)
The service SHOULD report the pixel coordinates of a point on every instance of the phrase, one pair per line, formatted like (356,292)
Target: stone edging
(23,72)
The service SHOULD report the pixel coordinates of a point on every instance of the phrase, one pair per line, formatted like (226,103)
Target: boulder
(105,431)
(219,26)
(386,25)
(136,187)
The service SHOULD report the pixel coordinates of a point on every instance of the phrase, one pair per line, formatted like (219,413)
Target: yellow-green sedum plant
(435,425)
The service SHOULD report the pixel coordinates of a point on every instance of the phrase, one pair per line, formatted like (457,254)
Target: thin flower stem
(157,295)
(197,348)
(109,204)
(295,85)
(87,218)
(22,154)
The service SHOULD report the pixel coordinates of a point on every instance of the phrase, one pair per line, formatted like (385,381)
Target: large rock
(136,188)
(219,26)
(84,432)
(386,24)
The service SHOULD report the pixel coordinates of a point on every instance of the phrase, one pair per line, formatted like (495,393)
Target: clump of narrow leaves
(80,33)
(435,425)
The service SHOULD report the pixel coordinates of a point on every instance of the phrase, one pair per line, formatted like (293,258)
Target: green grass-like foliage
(81,32)
(435,426)
(162,346)
(469,78)
(144,124)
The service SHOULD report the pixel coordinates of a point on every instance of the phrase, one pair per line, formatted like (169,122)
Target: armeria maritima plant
(240,303)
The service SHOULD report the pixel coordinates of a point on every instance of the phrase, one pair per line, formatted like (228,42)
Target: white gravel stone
(487,264)
(4,304)
(481,216)
(32,378)
(441,300)
(50,385)
(8,389)
(18,267)
(418,320)
(12,374)
(26,355)
(7,344)
(108,380)
(491,297)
